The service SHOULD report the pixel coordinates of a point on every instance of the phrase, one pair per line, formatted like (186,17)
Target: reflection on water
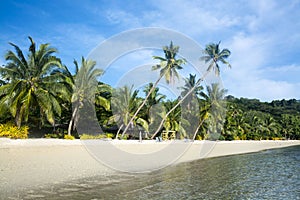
(271,174)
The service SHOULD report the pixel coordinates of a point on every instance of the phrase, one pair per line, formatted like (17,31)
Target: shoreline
(34,163)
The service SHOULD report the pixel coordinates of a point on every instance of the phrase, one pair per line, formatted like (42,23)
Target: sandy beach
(33,163)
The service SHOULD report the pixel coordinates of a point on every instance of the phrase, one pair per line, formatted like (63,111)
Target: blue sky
(263,35)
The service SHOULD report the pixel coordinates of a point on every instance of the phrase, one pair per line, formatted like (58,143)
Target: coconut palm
(168,68)
(124,103)
(204,114)
(155,97)
(216,107)
(213,55)
(84,88)
(172,122)
(33,83)
(270,126)
(190,84)
(153,106)
(255,120)
(190,105)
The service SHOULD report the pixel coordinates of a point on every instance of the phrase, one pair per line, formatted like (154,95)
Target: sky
(262,35)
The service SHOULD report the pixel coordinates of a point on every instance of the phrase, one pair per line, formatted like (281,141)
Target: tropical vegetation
(39,93)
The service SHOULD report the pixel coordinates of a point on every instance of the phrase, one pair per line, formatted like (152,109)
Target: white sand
(31,163)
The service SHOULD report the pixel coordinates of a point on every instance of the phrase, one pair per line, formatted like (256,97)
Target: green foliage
(254,120)
(36,88)
(125,102)
(54,135)
(86,91)
(11,131)
(34,84)
(99,136)
(213,55)
(69,137)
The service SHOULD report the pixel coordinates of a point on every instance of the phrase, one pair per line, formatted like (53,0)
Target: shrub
(9,130)
(198,137)
(100,136)
(278,138)
(54,135)
(69,137)
(221,137)
(109,135)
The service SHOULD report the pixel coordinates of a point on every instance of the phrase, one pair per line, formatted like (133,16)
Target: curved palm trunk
(179,102)
(117,136)
(144,102)
(72,121)
(197,129)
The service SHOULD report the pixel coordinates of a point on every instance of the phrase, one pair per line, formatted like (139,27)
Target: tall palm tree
(34,83)
(204,114)
(125,102)
(168,68)
(213,55)
(190,105)
(84,87)
(153,107)
(155,97)
(172,122)
(190,83)
(216,107)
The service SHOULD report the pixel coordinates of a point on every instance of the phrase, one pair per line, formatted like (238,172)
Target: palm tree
(153,107)
(172,122)
(270,126)
(155,97)
(124,103)
(190,106)
(84,87)
(213,55)
(204,114)
(33,83)
(216,108)
(190,83)
(168,68)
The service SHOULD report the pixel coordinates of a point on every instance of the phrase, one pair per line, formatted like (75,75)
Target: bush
(278,138)
(100,136)
(69,137)
(54,135)
(198,137)
(9,130)
(221,137)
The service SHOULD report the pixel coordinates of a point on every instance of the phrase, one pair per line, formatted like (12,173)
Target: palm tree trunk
(179,102)
(144,102)
(17,118)
(71,124)
(197,129)
(119,131)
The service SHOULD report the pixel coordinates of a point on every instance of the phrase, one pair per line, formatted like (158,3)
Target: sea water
(270,174)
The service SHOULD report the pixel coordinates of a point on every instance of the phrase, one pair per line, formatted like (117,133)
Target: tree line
(39,91)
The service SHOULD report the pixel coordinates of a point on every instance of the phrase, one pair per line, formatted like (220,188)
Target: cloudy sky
(263,35)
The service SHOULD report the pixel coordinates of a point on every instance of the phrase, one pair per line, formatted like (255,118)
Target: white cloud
(251,30)
(263,37)
(250,78)
(191,17)
(119,17)
(74,41)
